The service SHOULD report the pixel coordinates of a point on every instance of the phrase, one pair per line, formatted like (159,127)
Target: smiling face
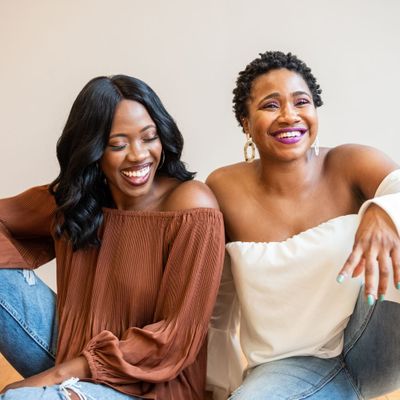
(132,155)
(282,119)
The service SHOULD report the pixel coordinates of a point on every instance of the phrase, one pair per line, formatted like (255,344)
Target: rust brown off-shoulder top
(138,306)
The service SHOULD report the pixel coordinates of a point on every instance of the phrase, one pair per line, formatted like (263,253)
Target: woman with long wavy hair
(138,246)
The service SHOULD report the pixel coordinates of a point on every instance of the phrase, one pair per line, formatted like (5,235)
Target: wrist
(77,367)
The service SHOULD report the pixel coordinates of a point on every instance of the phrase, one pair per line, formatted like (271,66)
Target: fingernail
(381,297)
(340,279)
(398,285)
(370,300)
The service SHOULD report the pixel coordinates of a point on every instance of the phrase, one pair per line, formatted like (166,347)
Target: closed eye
(270,106)
(116,147)
(150,139)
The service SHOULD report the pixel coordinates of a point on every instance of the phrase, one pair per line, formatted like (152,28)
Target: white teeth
(139,173)
(288,134)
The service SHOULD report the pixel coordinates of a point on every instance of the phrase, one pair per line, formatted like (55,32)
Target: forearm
(388,198)
(376,249)
(77,367)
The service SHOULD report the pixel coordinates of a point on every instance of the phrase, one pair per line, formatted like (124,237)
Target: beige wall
(190,52)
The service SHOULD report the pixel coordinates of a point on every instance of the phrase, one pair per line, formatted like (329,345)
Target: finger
(395,255)
(351,263)
(371,278)
(384,273)
(359,268)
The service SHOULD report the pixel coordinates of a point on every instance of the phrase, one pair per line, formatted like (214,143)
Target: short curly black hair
(268,61)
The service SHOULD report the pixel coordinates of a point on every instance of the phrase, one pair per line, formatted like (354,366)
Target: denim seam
(356,336)
(326,379)
(353,384)
(14,314)
(321,383)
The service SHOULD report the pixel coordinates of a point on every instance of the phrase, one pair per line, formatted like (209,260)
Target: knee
(16,278)
(236,395)
(249,392)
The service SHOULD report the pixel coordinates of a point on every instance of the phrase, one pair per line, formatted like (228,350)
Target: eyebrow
(277,95)
(124,134)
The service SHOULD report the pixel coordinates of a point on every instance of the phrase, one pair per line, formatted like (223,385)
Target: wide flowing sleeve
(159,351)
(25,229)
(226,362)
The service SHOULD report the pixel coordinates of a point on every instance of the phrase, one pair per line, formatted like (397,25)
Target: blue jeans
(28,337)
(368,367)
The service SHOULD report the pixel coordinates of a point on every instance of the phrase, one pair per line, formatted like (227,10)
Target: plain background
(190,53)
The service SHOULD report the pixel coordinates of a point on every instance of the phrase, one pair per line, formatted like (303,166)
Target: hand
(376,250)
(77,367)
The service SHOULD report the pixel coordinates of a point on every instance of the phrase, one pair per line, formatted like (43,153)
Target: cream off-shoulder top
(282,298)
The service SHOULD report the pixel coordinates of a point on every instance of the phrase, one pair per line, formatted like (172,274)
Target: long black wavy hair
(266,62)
(80,190)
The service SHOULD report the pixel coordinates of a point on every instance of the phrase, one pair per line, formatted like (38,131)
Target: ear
(245,125)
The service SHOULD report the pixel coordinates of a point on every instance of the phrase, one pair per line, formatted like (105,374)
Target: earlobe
(245,126)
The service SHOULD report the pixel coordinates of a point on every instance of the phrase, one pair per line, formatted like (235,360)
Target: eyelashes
(302,102)
(116,147)
(276,105)
(272,105)
(151,139)
(119,147)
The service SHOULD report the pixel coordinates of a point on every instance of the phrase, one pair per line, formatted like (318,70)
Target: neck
(149,201)
(287,178)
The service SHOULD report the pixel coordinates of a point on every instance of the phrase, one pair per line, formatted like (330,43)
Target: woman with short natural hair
(301,222)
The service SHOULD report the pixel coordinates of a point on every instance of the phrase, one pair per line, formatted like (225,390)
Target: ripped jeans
(28,337)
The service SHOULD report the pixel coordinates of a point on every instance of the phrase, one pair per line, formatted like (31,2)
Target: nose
(137,152)
(288,114)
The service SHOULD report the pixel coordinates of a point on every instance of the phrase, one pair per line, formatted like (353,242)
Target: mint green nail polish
(398,285)
(370,300)
(381,297)
(340,279)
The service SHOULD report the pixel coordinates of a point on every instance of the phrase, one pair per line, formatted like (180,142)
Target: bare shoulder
(363,166)
(190,194)
(356,157)
(226,177)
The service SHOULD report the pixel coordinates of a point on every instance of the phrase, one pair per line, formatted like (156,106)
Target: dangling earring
(316,146)
(160,165)
(249,144)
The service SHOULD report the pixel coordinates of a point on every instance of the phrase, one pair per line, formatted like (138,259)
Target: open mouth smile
(289,135)
(137,175)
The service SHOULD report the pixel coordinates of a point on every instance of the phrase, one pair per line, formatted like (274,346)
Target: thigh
(33,393)
(85,390)
(28,328)
(297,378)
(97,391)
(372,347)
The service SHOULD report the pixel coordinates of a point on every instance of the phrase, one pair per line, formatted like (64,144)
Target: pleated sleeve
(158,352)
(25,229)
(226,362)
